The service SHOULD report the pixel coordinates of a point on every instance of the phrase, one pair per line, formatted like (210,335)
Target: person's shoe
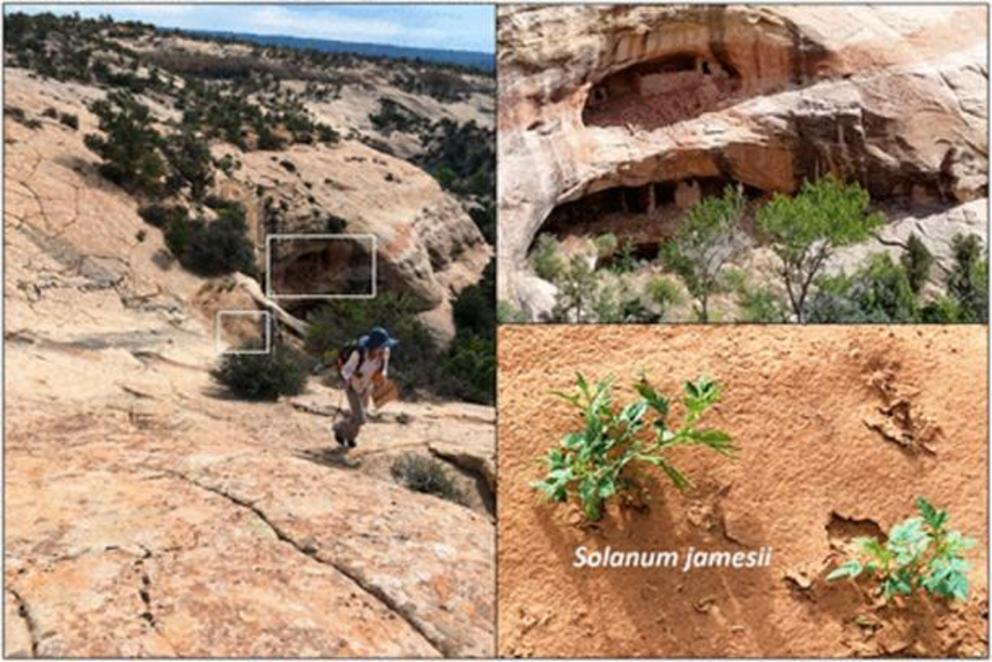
(352,443)
(340,439)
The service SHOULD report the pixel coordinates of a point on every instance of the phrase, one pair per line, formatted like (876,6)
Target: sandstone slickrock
(146,512)
(893,97)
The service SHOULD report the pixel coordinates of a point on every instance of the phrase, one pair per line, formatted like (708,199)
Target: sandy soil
(817,468)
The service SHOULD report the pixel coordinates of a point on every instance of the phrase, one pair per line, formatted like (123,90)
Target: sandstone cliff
(894,98)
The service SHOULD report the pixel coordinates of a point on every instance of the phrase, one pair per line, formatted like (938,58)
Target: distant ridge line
(472,59)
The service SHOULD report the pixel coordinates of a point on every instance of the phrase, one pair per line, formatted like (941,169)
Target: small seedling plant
(599,460)
(920,553)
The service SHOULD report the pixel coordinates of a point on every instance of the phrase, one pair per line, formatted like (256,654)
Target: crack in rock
(24,611)
(309,550)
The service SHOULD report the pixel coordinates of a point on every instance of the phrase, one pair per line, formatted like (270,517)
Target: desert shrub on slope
(130,145)
(425,475)
(263,376)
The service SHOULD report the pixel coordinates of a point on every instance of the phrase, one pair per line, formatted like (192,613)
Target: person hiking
(362,365)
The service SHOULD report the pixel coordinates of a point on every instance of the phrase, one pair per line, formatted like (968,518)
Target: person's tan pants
(349,428)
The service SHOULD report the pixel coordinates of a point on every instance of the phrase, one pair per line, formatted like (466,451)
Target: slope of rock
(147,513)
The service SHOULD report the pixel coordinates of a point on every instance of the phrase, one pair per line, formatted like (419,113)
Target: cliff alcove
(662,91)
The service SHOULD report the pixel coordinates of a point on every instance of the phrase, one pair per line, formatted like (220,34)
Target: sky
(447,26)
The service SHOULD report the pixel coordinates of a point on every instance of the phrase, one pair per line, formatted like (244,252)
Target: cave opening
(662,91)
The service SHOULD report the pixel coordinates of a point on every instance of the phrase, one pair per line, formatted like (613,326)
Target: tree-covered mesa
(802,232)
(163,106)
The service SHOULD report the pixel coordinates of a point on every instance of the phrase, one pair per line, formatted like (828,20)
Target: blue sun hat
(377,338)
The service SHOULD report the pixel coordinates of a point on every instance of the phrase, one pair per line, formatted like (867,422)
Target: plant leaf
(851,568)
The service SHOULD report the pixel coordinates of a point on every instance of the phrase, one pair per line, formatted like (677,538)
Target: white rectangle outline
(322,297)
(268,332)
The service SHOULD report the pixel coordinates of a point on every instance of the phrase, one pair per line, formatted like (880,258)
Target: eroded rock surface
(594,99)
(147,513)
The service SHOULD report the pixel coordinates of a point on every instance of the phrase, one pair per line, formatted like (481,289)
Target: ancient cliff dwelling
(664,107)
(661,91)
(643,215)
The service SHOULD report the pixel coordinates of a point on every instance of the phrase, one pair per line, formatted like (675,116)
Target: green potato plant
(920,553)
(597,461)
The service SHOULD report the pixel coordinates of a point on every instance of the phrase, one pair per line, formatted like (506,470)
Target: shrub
(220,247)
(507,313)
(601,459)
(474,310)
(665,293)
(263,376)
(548,263)
(624,261)
(161,216)
(577,291)
(469,369)
(760,305)
(129,147)
(968,282)
(705,243)
(70,120)
(919,553)
(211,249)
(50,112)
(426,475)
(877,292)
(917,261)
(190,157)
(806,229)
(606,245)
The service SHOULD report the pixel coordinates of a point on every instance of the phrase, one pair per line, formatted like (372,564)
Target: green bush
(878,292)
(162,215)
(577,291)
(69,120)
(760,305)
(220,247)
(425,475)
(704,245)
(468,370)
(919,554)
(806,229)
(968,282)
(189,156)
(665,293)
(474,311)
(606,245)
(601,458)
(917,261)
(263,376)
(130,145)
(507,313)
(624,261)
(547,261)
(212,249)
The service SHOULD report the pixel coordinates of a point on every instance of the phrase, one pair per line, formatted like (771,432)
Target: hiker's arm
(349,367)
(385,363)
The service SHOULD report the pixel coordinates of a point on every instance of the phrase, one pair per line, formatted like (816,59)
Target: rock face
(597,98)
(426,245)
(147,513)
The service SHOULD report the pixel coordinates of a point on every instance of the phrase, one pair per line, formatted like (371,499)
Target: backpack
(345,353)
